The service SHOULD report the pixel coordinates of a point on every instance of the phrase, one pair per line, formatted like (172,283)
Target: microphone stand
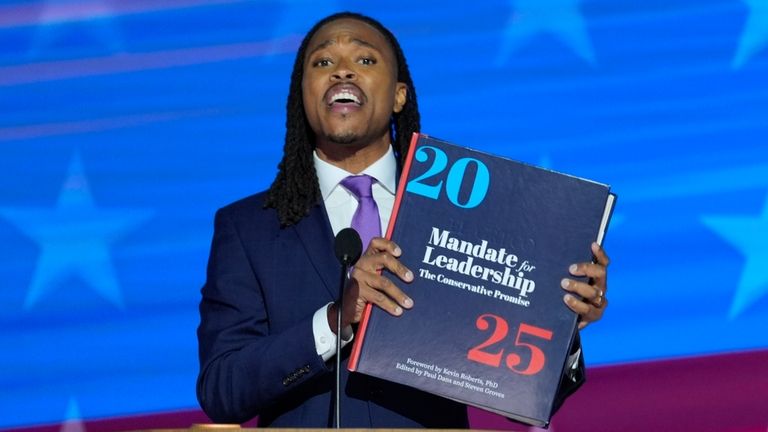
(348,248)
(339,305)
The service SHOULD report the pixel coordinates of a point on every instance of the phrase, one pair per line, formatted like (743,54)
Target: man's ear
(401,96)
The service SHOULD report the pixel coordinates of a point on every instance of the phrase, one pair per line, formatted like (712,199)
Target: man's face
(350,87)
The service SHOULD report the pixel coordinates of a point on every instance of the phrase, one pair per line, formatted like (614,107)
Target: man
(268,311)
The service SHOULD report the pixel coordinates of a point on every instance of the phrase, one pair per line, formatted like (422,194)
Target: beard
(344,138)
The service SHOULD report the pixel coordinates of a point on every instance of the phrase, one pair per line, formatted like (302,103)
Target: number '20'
(454,180)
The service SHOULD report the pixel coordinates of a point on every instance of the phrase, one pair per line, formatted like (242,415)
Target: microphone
(348,248)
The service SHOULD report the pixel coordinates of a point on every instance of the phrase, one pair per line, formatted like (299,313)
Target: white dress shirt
(340,204)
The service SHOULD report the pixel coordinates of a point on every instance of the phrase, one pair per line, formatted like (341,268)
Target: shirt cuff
(325,339)
(573,362)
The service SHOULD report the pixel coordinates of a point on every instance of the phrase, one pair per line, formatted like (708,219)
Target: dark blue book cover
(488,240)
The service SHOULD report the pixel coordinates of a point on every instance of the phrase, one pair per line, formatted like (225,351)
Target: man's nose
(343,73)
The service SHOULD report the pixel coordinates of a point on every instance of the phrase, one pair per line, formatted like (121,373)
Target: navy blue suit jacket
(257,349)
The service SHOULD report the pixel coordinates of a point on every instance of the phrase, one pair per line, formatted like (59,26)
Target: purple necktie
(366,218)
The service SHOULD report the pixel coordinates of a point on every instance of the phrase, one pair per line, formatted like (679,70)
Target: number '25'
(482,353)
(454,180)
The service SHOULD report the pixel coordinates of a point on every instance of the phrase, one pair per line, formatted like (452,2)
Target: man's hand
(367,285)
(593,301)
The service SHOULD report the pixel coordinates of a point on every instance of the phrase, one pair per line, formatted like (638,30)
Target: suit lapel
(316,235)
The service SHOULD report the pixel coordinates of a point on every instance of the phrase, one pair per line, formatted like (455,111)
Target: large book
(488,240)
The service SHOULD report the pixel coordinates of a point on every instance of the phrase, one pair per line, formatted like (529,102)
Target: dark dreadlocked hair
(295,189)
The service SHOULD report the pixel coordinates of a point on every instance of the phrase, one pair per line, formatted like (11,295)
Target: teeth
(345,95)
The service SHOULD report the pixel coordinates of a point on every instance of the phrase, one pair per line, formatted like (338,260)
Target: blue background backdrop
(125,124)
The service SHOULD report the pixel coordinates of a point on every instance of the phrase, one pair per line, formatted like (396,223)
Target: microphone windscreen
(348,246)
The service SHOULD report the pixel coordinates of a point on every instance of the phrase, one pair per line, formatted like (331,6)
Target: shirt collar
(383,170)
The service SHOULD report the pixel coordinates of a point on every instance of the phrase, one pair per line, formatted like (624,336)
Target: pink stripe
(723,393)
(52,13)
(133,62)
(41,130)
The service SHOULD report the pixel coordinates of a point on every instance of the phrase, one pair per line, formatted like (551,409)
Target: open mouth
(344,95)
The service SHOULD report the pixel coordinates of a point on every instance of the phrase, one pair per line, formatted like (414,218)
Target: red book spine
(360,336)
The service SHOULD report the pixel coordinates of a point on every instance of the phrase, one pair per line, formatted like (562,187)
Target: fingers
(588,298)
(600,256)
(369,285)
(596,271)
(382,292)
(586,309)
(386,258)
(590,293)
(380,244)
(591,270)
(588,312)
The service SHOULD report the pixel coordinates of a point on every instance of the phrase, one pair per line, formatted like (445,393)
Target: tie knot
(359,185)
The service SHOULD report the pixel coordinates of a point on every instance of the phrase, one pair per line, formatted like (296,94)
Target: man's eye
(322,63)
(368,61)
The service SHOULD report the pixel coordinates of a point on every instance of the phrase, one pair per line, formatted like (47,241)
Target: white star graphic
(74,238)
(73,422)
(560,18)
(755,35)
(750,236)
